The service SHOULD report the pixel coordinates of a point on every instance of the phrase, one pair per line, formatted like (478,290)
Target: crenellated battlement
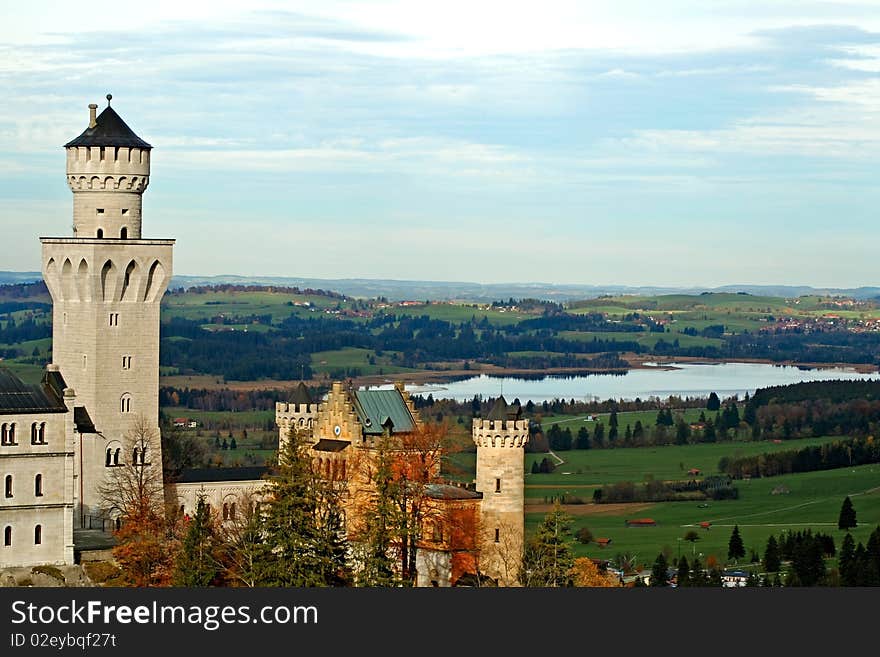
(108,159)
(501,433)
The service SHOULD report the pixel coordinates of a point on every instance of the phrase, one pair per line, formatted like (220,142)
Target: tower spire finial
(109,98)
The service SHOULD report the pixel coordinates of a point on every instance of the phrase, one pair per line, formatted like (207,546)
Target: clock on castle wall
(337,430)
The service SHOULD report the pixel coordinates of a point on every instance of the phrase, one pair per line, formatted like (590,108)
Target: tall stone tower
(501,438)
(107,283)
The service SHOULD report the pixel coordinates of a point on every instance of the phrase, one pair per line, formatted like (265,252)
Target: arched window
(109,460)
(134,456)
(125,403)
(38,535)
(116,456)
(8,486)
(143,455)
(343,469)
(225,511)
(100,233)
(41,433)
(7,536)
(38,486)
(232,511)
(34,433)
(4,434)
(123,234)
(10,434)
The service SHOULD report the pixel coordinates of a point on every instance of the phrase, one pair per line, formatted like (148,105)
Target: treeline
(832,391)
(714,487)
(230,287)
(12,332)
(838,454)
(203,399)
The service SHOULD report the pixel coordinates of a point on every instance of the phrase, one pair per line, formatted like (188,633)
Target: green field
(326,362)
(813,502)
(594,467)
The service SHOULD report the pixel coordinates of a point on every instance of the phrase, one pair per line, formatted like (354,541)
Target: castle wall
(25,509)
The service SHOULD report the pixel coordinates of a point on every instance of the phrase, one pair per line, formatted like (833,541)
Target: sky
(631,142)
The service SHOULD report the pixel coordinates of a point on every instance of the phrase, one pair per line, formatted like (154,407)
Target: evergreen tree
(735,548)
(713,403)
(612,428)
(682,432)
(548,556)
(599,435)
(377,567)
(302,543)
(627,435)
(196,564)
(583,439)
(772,559)
(659,573)
(683,577)
(233,444)
(847,518)
(715,577)
(535,467)
(846,561)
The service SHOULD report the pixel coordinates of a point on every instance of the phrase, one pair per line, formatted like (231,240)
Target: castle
(61,440)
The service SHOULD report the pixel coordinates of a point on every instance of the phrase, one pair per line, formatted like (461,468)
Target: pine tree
(735,548)
(548,555)
(659,571)
(196,564)
(300,546)
(683,577)
(233,444)
(847,518)
(772,559)
(846,561)
(698,577)
(713,403)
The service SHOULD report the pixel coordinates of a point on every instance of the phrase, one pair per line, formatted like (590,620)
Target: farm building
(641,522)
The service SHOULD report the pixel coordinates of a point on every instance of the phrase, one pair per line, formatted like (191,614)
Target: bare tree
(135,486)
(242,540)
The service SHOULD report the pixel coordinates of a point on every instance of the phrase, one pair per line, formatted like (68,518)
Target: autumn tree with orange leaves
(586,573)
(133,495)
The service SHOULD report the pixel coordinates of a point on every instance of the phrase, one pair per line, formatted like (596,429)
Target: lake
(686,380)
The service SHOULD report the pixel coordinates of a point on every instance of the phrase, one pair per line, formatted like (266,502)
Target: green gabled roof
(376,407)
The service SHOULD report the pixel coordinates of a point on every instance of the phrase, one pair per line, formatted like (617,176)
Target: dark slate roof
(196,475)
(110,130)
(501,410)
(16,397)
(450,492)
(330,445)
(301,395)
(83,420)
(376,407)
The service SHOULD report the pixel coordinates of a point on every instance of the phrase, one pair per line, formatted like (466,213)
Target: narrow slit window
(38,486)
(497,484)
(38,535)
(497,535)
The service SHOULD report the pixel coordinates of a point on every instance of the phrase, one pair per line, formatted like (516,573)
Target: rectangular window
(99,210)
(126,362)
(124,211)
(497,535)
(497,485)
(114,319)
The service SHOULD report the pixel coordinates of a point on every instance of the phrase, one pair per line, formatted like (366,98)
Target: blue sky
(627,142)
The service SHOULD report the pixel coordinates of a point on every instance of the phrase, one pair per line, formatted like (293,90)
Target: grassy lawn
(324,362)
(647,418)
(813,502)
(599,466)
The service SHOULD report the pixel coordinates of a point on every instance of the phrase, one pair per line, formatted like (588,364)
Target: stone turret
(108,169)
(298,413)
(501,438)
